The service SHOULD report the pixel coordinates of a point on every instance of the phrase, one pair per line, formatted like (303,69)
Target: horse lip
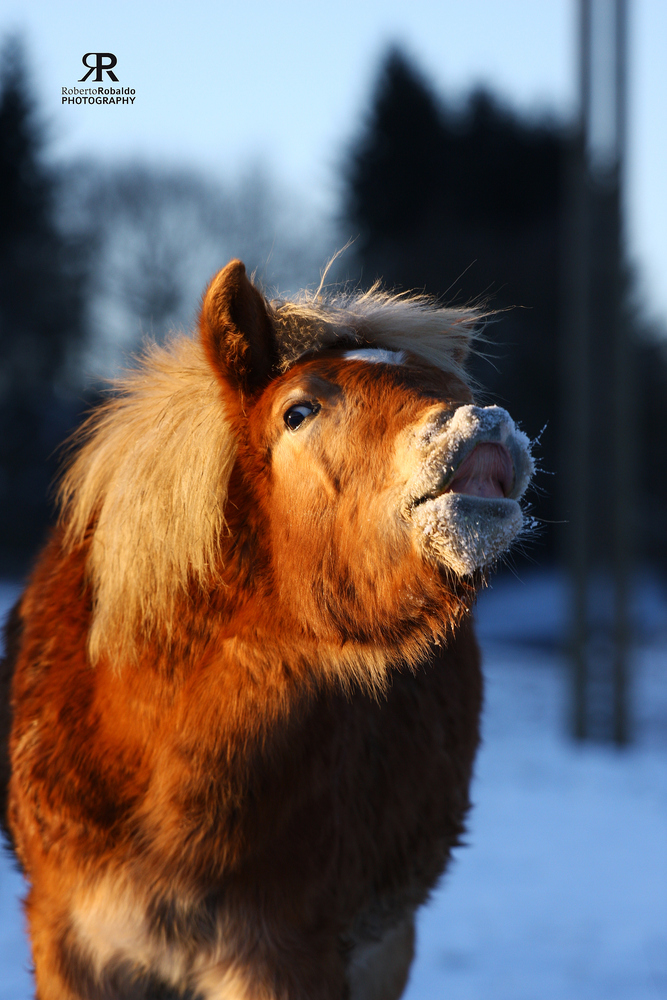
(450,475)
(446,443)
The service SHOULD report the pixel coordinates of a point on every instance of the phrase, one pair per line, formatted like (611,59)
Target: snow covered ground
(561,893)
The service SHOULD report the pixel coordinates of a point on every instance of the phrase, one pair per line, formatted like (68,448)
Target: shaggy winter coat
(245,688)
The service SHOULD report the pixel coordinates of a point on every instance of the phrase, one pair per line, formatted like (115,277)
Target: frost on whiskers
(471,425)
(466,533)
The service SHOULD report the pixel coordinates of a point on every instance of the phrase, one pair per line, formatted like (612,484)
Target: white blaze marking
(376,354)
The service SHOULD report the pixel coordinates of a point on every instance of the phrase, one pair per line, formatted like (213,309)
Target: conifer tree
(40,316)
(464,203)
(467,202)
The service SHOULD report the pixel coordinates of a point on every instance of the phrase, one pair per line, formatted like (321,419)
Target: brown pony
(246,689)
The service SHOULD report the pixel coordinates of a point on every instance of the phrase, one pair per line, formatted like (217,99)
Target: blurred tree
(468,204)
(161,233)
(40,318)
(465,205)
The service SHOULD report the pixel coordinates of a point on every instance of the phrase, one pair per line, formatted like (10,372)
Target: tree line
(465,203)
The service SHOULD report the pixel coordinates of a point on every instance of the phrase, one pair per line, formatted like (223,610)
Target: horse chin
(467,533)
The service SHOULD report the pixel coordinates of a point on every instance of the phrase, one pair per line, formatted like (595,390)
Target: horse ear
(236,331)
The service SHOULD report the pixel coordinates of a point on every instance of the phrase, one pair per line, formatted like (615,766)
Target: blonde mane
(149,479)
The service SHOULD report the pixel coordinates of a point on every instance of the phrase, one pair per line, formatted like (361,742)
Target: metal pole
(597,450)
(623,416)
(576,397)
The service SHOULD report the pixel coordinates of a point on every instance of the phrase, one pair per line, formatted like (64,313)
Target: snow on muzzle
(465,501)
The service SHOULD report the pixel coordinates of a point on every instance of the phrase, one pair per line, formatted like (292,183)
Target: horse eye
(297,414)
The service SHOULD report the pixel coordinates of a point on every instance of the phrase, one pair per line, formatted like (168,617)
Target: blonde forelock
(440,335)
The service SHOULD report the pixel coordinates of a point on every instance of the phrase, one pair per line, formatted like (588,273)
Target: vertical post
(624,410)
(597,398)
(575,448)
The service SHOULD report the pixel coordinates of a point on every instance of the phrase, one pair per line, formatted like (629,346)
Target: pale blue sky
(222,85)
